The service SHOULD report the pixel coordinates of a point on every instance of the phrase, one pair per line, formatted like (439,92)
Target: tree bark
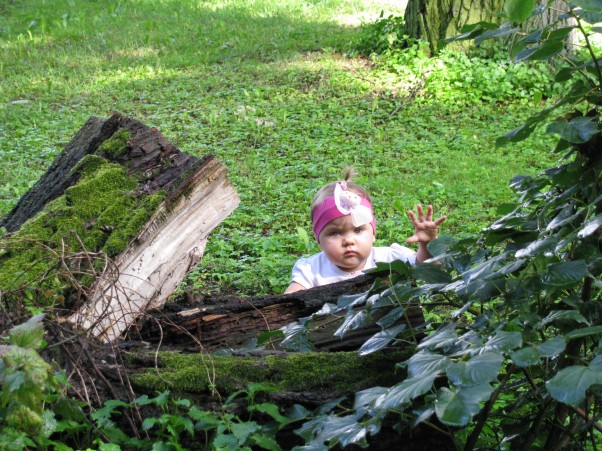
(211,324)
(435,20)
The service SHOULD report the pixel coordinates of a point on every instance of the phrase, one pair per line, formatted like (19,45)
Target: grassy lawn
(277,93)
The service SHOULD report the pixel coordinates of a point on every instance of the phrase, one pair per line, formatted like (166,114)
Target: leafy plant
(517,360)
(182,425)
(34,410)
(383,36)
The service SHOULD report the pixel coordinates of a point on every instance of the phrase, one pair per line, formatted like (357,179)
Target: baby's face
(347,246)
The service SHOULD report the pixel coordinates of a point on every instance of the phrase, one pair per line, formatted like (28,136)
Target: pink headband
(343,203)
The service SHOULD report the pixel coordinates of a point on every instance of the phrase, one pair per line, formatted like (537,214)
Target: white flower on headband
(349,202)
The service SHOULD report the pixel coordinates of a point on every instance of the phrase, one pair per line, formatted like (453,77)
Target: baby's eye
(335,233)
(359,229)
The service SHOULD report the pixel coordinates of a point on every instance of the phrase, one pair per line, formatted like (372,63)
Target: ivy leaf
(381,339)
(296,338)
(327,309)
(391,317)
(552,347)
(588,5)
(456,408)
(565,73)
(519,10)
(442,338)
(526,356)
(564,315)
(596,363)
(364,399)
(584,332)
(431,273)
(565,216)
(332,430)
(472,30)
(479,369)
(346,301)
(354,320)
(440,245)
(504,341)
(268,336)
(425,362)
(578,131)
(518,134)
(423,415)
(404,392)
(538,247)
(564,274)
(570,384)
(590,227)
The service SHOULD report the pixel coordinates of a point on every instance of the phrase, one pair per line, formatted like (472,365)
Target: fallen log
(136,256)
(215,323)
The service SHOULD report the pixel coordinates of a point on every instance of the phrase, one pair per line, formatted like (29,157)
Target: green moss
(327,372)
(101,213)
(116,146)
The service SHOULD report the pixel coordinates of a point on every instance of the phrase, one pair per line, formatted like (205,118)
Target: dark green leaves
(564,274)
(426,363)
(381,339)
(577,131)
(296,338)
(532,355)
(403,393)
(571,383)
(479,369)
(590,227)
(457,407)
(544,51)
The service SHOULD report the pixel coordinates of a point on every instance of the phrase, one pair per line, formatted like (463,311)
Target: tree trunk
(435,20)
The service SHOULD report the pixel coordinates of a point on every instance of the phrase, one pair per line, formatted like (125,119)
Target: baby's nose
(348,239)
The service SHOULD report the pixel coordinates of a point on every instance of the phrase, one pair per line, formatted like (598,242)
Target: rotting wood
(181,199)
(172,242)
(211,324)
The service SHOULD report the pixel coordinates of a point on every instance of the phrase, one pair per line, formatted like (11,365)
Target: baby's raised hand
(425,229)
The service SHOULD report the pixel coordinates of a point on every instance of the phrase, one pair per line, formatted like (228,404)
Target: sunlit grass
(269,87)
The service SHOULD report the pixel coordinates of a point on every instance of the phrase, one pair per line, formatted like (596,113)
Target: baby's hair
(328,190)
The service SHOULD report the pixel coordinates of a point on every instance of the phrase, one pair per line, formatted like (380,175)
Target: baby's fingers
(440,220)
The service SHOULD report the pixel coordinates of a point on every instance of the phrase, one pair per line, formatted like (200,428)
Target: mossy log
(121,213)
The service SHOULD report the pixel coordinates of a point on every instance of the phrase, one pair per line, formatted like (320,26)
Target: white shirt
(317,270)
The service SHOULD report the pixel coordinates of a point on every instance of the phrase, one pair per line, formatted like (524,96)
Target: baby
(345,229)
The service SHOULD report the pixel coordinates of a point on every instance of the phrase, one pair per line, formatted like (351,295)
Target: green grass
(272,89)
